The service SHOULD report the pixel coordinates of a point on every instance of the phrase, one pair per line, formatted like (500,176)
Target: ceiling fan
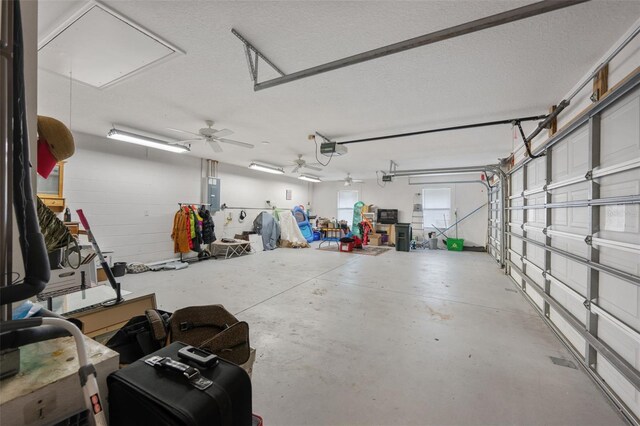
(349,180)
(213,136)
(300,163)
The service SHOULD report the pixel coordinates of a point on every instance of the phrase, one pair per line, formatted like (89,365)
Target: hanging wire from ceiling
(70,94)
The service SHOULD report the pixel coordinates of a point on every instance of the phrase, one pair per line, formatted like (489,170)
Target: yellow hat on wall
(58,137)
(55,143)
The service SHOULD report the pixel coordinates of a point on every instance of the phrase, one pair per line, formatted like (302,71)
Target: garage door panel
(516,276)
(536,216)
(536,173)
(516,260)
(572,304)
(622,387)
(536,254)
(560,217)
(577,247)
(535,274)
(516,216)
(569,158)
(577,277)
(559,266)
(539,301)
(625,345)
(621,299)
(620,131)
(578,216)
(620,184)
(623,220)
(568,331)
(560,162)
(578,187)
(622,260)
(516,182)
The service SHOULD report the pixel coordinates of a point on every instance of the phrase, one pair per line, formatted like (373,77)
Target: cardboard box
(375,239)
(102,276)
(67,280)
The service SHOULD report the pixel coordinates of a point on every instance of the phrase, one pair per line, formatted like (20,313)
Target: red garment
(188,225)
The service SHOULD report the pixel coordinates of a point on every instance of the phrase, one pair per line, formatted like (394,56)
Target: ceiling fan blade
(317,169)
(183,131)
(232,142)
(215,145)
(222,133)
(357,181)
(295,169)
(190,140)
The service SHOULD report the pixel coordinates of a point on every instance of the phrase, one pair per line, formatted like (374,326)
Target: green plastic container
(455,244)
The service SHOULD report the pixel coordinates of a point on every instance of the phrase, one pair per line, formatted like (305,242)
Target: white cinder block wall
(130,195)
(242,187)
(400,195)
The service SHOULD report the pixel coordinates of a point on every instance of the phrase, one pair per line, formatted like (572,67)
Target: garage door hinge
(589,175)
(587,304)
(588,239)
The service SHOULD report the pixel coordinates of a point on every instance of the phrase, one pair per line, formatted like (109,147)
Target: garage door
(573,240)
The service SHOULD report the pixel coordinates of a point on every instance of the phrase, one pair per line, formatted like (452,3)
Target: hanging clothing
(208,227)
(187,218)
(266,226)
(192,227)
(180,235)
(192,223)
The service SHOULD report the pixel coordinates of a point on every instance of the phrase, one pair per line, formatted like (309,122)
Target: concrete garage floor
(414,338)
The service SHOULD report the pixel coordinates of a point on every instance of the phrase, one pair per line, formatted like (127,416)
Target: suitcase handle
(191,373)
(202,358)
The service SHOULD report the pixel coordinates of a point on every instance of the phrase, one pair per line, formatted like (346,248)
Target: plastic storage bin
(455,244)
(346,247)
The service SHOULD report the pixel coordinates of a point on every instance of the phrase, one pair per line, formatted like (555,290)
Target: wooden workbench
(47,388)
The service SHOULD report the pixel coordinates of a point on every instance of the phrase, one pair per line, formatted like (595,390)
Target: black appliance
(388,216)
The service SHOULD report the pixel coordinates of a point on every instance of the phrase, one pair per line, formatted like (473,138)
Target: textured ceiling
(516,69)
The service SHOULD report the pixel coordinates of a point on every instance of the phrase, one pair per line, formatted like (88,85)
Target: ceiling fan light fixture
(266,169)
(133,138)
(310,178)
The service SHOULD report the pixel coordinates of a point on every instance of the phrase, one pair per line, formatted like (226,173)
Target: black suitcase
(144,394)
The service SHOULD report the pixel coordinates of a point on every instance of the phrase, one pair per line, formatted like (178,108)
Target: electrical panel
(212,193)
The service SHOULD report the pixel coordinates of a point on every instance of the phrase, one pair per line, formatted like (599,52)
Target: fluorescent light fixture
(310,178)
(145,141)
(266,169)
